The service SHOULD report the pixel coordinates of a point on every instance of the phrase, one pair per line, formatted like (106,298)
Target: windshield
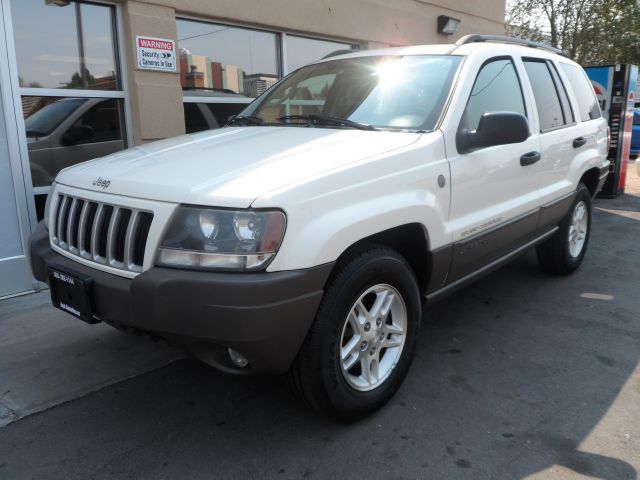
(385,92)
(45,120)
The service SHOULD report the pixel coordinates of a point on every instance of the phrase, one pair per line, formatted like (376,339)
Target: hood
(229,167)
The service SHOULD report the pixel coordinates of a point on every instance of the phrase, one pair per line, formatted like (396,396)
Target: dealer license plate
(70,293)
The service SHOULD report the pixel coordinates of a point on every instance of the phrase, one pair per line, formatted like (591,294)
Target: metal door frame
(16,137)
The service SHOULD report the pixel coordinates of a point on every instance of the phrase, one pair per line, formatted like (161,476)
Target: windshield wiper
(242,120)
(325,119)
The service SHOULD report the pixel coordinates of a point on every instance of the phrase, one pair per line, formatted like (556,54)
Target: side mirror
(75,135)
(495,128)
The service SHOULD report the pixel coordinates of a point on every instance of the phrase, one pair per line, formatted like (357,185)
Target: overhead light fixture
(447,25)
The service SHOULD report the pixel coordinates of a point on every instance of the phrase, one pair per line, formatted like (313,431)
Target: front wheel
(564,251)
(361,344)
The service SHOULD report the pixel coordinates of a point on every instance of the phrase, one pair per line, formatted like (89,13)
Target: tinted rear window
(546,95)
(588,107)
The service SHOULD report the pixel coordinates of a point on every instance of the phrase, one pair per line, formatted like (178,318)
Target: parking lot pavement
(520,375)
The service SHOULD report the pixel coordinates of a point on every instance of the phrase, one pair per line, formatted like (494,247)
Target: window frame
(550,65)
(281,55)
(120,63)
(484,64)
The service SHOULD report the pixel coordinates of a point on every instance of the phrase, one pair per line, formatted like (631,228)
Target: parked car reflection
(68,131)
(213,111)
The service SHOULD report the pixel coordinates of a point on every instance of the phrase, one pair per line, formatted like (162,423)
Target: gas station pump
(615,87)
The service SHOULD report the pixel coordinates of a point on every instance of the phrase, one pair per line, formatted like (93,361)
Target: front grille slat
(120,234)
(106,234)
(69,222)
(94,232)
(128,238)
(74,222)
(111,235)
(140,237)
(87,230)
(61,227)
(56,226)
(81,228)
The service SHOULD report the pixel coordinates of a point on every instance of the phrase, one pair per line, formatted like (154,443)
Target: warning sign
(156,54)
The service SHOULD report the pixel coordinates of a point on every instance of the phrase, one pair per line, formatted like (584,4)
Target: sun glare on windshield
(391,73)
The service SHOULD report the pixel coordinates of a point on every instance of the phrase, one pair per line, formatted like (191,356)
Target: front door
(494,197)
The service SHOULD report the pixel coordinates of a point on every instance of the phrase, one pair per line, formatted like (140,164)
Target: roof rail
(505,39)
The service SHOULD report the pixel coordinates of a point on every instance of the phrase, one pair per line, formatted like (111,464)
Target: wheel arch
(410,240)
(591,178)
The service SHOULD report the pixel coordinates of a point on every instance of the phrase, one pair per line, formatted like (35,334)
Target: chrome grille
(102,233)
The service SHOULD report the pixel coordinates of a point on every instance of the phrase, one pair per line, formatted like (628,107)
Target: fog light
(237,359)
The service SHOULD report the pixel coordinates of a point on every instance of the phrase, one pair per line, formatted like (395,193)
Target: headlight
(47,205)
(207,238)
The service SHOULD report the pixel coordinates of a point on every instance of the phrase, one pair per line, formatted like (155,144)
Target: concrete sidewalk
(48,357)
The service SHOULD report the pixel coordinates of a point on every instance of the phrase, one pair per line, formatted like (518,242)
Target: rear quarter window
(588,107)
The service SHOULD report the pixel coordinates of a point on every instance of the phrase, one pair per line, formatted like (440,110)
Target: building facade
(73,87)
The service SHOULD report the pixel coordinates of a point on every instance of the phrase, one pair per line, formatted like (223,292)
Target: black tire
(554,255)
(316,377)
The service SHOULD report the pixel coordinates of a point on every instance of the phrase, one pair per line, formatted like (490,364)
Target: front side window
(496,89)
(102,121)
(404,93)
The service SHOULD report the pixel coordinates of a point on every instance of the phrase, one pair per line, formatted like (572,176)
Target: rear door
(561,137)
(494,199)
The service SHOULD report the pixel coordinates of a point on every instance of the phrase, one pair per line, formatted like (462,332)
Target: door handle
(578,142)
(529,158)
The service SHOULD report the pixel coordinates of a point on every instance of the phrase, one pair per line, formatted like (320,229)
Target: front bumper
(264,316)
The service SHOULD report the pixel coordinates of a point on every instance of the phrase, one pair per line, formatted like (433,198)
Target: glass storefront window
(62,45)
(65,45)
(226,59)
(64,131)
(302,50)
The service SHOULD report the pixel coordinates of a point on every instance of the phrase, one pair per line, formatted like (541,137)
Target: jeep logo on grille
(102,183)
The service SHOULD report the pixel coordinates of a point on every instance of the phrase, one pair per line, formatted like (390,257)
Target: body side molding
(490,267)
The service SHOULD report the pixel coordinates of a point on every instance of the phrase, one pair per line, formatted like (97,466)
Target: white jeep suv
(307,235)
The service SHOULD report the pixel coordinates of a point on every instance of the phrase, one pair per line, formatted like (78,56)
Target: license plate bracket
(70,293)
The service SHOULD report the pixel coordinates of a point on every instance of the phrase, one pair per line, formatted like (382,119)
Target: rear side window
(588,107)
(547,95)
(497,89)
(562,92)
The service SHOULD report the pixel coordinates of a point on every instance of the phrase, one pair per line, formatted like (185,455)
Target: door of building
(15,223)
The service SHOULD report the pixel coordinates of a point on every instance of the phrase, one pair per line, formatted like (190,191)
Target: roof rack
(505,39)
